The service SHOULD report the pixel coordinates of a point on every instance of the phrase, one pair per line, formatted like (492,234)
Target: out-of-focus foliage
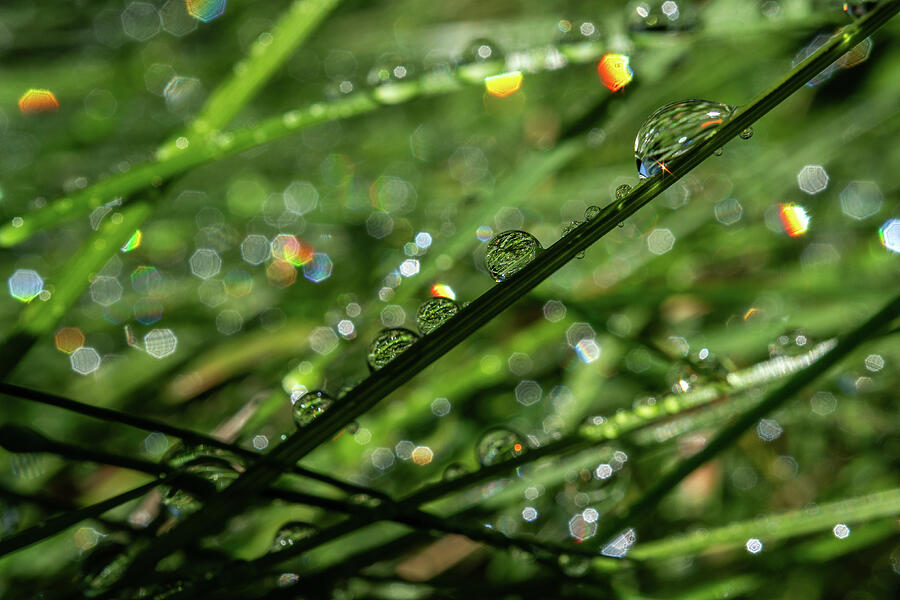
(219,295)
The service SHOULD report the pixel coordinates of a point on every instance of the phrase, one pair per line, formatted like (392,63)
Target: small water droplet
(509,252)
(673,129)
(718,151)
(392,79)
(481,58)
(591,212)
(310,406)
(622,191)
(365,500)
(661,16)
(499,445)
(454,471)
(746,134)
(574,566)
(292,533)
(388,345)
(569,228)
(352,427)
(434,312)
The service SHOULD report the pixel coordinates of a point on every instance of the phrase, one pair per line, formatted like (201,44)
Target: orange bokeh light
(69,339)
(504,84)
(442,290)
(38,101)
(614,71)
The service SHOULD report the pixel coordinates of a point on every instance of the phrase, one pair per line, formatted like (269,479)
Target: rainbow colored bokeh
(133,242)
(794,219)
(205,10)
(38,101)
(615,71)
(442,290)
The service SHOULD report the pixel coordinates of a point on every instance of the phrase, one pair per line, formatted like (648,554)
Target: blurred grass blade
(266,55)
(772,528)
(640,510)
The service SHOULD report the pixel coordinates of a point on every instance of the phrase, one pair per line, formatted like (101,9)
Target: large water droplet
(509,252)
(217,466)
(499,445)
(388,345)
(622,191)
(591,212)
(292,533)
(310,406)
(674,129)
(434,312)
(454,471)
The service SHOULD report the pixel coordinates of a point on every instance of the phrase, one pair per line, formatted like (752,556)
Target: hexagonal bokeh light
(25,285)
(160,343)
(205,263)
(861,199)
(38,101)
(812,179)
(890,235)
(85,360)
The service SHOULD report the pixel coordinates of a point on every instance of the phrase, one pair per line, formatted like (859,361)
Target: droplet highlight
(292,533)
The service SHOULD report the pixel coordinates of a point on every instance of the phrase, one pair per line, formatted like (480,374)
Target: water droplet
(673,129)
(499,445)
(718,151)
(620,545)
(292,533)
(791,343)
(310,406)
(591,212)
(393,79)
(569,228)
(454,471)
(481,58)
(622,191)
(574,566)
(746,134)
(661,15)
(434,312)
(859,8)
(352,427)
(509,252)
(388,345)
(103,566)
(365,500)
(218,467)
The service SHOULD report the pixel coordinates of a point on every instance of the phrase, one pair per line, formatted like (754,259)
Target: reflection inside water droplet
(434,312)
(292,533)
(388,345)
(499,445)
(509,252)
(310,406)
(673,129)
